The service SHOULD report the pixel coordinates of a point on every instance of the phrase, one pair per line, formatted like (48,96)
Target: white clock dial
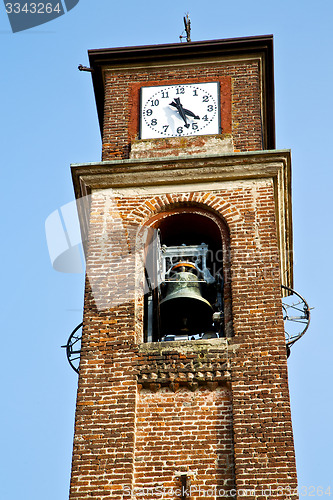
(180,110)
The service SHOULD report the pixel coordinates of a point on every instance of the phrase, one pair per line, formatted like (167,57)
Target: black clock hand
(186,111)
(177,104)
(189,113)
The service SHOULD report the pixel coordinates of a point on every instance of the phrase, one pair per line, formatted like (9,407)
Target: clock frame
(180,110)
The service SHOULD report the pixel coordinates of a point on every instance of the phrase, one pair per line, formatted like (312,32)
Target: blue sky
(48,120)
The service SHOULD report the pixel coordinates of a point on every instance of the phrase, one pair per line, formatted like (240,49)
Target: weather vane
(187,23)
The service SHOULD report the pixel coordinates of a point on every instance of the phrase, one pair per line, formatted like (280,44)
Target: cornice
(161,171)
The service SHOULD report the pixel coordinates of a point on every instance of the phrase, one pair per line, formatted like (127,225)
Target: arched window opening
(186,276)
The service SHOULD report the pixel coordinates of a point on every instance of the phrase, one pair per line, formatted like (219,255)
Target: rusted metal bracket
(85,68)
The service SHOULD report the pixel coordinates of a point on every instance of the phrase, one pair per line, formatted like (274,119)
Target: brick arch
(175,208)
(166,202)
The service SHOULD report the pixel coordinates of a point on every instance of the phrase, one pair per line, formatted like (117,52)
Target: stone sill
(185,346)
(175,146)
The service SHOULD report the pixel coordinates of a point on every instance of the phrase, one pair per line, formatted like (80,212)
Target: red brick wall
(116,424)
(240,102)
(184,431)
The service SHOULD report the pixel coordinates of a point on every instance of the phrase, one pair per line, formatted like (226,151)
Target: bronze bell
(184,311)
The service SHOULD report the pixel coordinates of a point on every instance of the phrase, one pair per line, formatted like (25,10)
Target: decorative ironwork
(192,254)
(73,348)
(296,315)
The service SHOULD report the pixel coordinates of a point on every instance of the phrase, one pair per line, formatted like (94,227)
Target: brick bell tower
(183,389)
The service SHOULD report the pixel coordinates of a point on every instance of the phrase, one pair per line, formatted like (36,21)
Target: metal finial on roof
(187,23)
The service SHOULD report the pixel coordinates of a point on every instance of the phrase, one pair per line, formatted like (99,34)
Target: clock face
(180,110)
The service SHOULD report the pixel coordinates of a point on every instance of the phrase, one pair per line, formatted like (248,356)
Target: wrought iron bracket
(73,347)
(296,315)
